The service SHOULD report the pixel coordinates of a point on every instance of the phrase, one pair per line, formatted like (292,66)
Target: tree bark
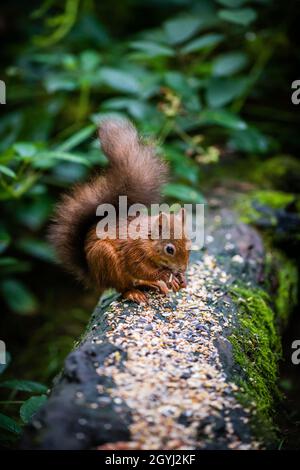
(193,370)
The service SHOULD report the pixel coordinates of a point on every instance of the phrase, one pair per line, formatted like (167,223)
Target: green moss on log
(287,291)
(281,274)
(280,172)
(257,349)
(248,204)
(263,312)
(273,199)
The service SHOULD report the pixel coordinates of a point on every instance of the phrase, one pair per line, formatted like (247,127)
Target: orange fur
(126,265)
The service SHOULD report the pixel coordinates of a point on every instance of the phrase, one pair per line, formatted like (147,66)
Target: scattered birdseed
(172,378)
(82,421)
(237,259)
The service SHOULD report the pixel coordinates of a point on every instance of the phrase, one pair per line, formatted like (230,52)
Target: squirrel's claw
(137,296)
(181,279)
(162,287)
(175,281)
(174,284)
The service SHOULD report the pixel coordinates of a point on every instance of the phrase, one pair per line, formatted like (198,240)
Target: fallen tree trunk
(196,369)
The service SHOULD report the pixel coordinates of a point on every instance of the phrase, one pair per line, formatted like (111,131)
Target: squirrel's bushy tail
(135,171)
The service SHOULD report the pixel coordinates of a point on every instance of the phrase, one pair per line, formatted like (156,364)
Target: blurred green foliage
(27,407)
(202,78)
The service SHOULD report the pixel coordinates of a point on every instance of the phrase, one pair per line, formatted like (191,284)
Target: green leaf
(76,139)
(182,28)
(243,16)
(232,3)
(222,117)
(221,91)
(177,81)
(8,424)
(37,248)
(208,40)
(136,108)
(229,63)
(38,190)
(152,49)
(184,193)
(25,149)
(182,166)
(185,88)
(7,171)
(31,406)
(18,297)
(120,80)
(63,82)
(35,212)
(10,128)
(24,386)
(250,140)
(9,265)
(3,367)
(67,173)
(49,159)
(25,184)
(89,61)
(5,239)
(69,61)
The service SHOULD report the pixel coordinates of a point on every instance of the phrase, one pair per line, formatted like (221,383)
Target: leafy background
(210,81)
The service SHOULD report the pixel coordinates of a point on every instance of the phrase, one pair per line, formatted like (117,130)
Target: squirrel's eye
(170,249)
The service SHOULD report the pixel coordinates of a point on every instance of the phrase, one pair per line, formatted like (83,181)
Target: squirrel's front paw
(162,286)
(159,285)
(174,281)
(136,295)
(181,279)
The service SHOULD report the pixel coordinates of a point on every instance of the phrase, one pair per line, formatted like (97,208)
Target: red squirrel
(128,265)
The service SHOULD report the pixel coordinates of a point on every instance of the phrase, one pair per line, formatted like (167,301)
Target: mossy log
(194,370)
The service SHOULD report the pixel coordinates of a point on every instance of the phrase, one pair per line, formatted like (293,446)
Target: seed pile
(172,378)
